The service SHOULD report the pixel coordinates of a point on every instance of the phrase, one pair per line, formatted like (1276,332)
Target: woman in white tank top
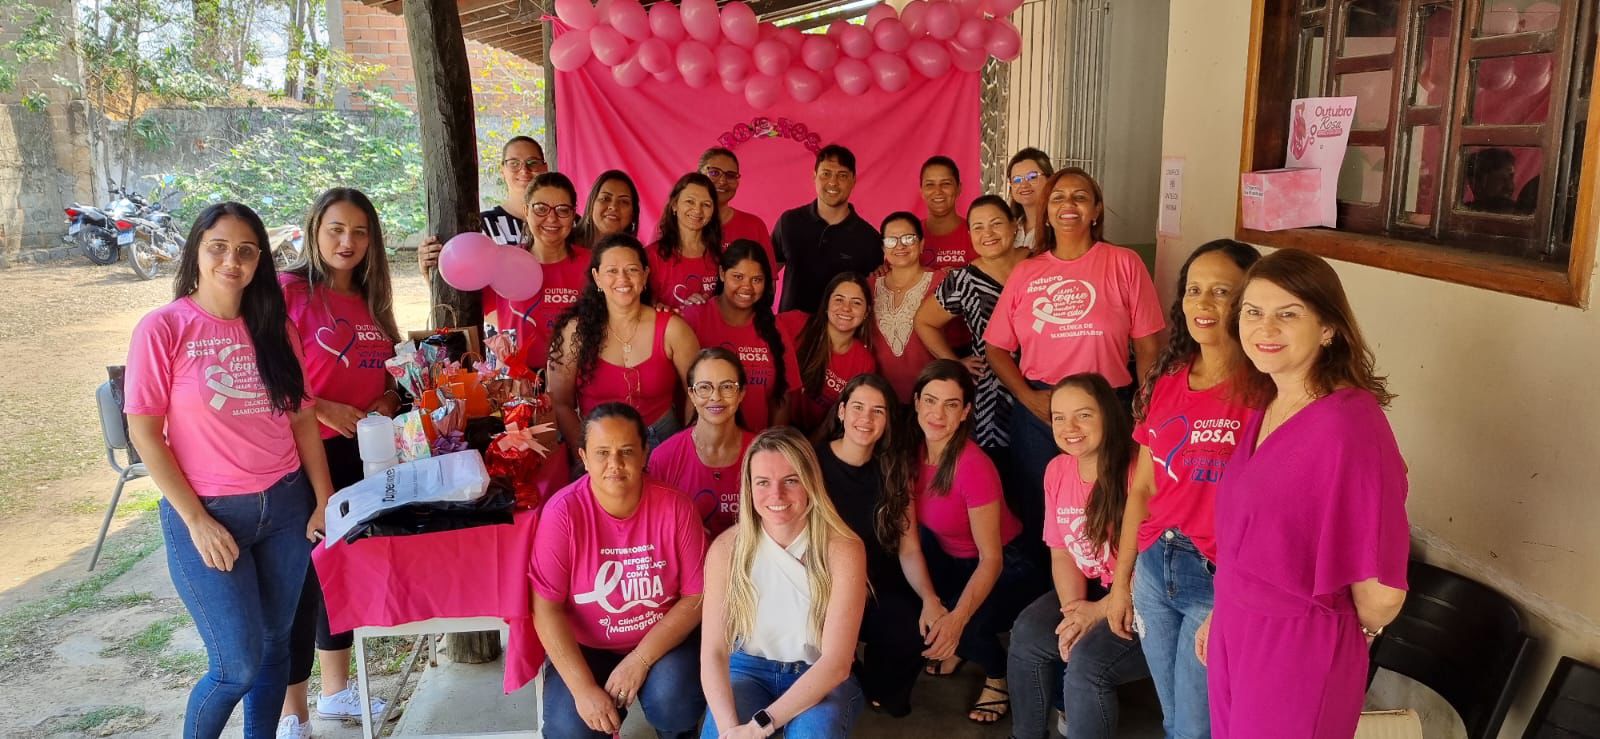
(785,588)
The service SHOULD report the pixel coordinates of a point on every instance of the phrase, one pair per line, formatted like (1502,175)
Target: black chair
(1460,638)
(1570,708)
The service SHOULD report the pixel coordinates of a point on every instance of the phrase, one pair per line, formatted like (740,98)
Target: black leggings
(310,627)
(892,656)
(1021,581)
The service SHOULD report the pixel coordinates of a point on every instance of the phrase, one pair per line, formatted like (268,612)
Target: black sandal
(932,667)
(984,707)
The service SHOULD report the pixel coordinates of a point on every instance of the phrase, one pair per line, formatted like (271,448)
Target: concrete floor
(452,699)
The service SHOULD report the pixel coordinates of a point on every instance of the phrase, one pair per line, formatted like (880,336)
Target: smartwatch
(763,720)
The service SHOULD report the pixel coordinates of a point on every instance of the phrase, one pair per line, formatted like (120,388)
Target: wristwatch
(763,720)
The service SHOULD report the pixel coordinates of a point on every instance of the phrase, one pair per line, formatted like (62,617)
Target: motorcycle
(102,232)
(153,243)
(287,244)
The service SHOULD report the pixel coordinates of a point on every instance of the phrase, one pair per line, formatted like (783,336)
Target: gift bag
(452,478)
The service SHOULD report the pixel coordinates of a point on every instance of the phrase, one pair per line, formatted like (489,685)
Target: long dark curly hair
(266,316)
(895,468)
(667,232)
(956,372)
(590,312)
(812,344)
(1181,348)
(765,321)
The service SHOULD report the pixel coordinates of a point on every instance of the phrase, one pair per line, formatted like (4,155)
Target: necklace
(1269,425)
(627,344)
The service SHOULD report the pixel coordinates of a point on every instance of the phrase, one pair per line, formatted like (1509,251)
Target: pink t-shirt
(1078,316)
(343,346)
(200,371)
(947,251)
(754,354)
(618,577)
(673,280)
(1066,497)
(535,318)
(747,226)
(976,484)
(713,490)
(1191,435)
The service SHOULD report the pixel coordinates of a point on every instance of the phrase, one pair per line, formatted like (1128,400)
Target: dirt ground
(110,652)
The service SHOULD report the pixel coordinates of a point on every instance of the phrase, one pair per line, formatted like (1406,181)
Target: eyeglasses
(532,164)
(245,252)
(540,210)
(890,242)
(720,173)
(704,390)
(1029,177)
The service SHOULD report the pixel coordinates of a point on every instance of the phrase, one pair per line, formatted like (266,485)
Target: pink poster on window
(1319,130)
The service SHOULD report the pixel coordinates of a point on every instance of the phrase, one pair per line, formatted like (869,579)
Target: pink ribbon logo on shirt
(340,330)
(1063,303)
(219,380)
(606,580)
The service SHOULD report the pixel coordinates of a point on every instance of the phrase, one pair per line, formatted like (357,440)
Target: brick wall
(376,36)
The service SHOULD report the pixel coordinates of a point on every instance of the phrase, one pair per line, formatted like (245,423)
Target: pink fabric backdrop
(656,131)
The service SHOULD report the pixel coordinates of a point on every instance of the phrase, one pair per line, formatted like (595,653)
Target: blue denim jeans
(1172,593)
(1088,682)
(758,682)
(670,696)
(243,615)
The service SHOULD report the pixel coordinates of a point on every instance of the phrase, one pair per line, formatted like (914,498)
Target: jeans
(243,615)
(670,696)
(758,682)
(1019,583)
(310,629)
(1172,593)
(1100,661)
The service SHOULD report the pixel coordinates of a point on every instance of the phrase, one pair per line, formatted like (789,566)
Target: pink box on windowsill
(1279,199)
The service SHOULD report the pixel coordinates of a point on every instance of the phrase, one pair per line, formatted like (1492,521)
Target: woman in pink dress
(1311,523)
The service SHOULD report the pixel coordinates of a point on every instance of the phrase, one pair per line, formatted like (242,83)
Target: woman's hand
(216,546)
(387,404)
(428,253)
(945,635)
(932,611)
(747,730)
(339,417)
(1077,618)
(1118,606)
(317,524)
(1202,636)
(598,709)
(975,365)
(1038,403)
(626,679)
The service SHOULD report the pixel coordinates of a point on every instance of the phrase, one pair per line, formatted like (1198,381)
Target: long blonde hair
(823,525)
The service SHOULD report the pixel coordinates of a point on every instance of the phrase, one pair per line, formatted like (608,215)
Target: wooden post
(550,152)
(450,181)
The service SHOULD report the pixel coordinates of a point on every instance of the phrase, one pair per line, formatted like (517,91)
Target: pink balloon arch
(699,43)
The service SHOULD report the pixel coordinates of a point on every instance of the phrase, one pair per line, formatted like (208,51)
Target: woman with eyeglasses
(897,295)
(613,207)
(722,167)
(1028,170)
(218,408)
(740,318)
(550,238)
(833,345)
(683,260)
(703,460)
(521,160)
(624,348)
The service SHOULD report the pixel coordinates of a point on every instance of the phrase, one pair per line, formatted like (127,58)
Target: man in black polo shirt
(825,237)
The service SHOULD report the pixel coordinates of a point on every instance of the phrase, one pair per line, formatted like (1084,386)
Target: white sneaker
(290,727)
(346,704)
(1061,722)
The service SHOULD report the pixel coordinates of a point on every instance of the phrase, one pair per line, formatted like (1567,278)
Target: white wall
(1498,411)
(1136,65)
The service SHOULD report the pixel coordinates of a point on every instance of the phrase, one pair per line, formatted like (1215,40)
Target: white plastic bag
(459,477)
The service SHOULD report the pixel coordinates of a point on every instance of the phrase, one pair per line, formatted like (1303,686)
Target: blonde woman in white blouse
(785,588)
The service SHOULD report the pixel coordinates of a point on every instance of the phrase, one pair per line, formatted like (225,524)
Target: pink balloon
(1533,72)
(835,28)
(570,50)
(1005,43)
(1541,16)
(974,33)
(602,9)
(733,65)
(942,20)
(929,58)
(763,90)
(696,63)
(891,72)
(1500,19)
(771,57)
(819,53)
(666,23)
(518,273)
(468,261)
(857,42)
(791,37)
(701,20)
(1001,8)
(853,76)
(1495,75)
(576,13)
(915,16)
(610,46)
(629,73)
(967,60)
(655,55)
(739,24)
(891,35)
(629,18)
(804,85)
(969,8)
(878,14)
(666,75)
(733,87)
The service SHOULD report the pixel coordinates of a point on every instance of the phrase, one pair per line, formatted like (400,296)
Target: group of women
(783,519)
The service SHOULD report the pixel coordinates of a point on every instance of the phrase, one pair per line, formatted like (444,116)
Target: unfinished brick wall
(376,36)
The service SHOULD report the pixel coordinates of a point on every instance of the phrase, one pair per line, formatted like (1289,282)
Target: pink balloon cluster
(700,44)
(472,261)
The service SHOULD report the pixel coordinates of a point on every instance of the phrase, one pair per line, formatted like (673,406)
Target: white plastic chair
(114,427)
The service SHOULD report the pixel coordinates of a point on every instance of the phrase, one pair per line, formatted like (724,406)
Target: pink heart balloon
(853,76)
(666,23)
(739,24)
(468,261)
(609,45)
(696,63)
(856,42)
(570,50)
(762,91)
(518,273)
(891,72)
(804,85)
(819,53)
(771,57)
(929,58)
(577,13)
(655,55)
(629,18)
(733,65)
(942,20)
(701,20)
(1005,43)
(891,36)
